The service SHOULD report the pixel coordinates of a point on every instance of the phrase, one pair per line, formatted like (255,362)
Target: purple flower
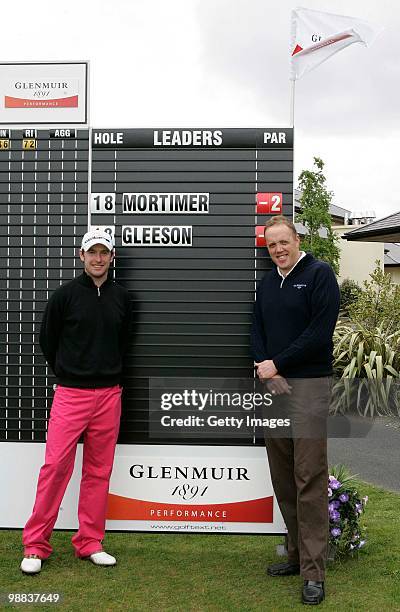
(344,497)
(334,515)
(334,484)
(361,544)
(336,532)
(329,492)
(359,508)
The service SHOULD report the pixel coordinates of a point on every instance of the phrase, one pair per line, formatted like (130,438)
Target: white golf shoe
(102,558)
(31,565)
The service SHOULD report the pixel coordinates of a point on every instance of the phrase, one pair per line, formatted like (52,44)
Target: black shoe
(313,592)
(284,569)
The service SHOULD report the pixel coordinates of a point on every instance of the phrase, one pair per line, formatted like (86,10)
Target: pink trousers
(95,413)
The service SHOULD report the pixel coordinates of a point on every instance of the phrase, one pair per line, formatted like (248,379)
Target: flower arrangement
(346,535)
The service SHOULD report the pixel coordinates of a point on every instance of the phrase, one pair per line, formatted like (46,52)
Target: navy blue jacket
(294,319)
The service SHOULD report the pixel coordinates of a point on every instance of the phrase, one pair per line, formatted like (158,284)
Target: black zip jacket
(294,319)
(85,333)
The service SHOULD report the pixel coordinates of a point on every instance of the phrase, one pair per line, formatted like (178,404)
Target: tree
(314,202)
(349,293)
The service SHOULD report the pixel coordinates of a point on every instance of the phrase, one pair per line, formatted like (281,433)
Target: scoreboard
(186,208)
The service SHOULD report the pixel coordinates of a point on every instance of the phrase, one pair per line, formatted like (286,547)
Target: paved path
(375,457)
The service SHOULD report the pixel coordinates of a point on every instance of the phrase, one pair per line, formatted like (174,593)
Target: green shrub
(378,304)
(349,293)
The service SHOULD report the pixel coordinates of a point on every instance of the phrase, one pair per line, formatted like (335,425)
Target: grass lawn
(210,572)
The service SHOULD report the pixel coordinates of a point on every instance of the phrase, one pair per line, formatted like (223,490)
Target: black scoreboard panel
(183,207)
(43,214)
(193,194)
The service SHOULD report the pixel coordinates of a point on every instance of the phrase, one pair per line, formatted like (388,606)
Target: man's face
(97,261)
(283,246)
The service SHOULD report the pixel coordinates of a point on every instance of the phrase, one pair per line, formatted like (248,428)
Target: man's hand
(266,369)
(277,385)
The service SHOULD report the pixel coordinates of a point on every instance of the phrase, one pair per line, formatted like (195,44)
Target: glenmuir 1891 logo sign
(44,93)
(211,491)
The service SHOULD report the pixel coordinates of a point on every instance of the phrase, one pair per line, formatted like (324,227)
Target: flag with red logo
(315,36)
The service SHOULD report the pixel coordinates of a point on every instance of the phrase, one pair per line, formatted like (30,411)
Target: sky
(225,63)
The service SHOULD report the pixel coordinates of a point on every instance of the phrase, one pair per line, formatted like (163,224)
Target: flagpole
(292,93)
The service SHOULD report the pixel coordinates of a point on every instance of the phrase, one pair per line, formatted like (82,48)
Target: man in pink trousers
(84,337)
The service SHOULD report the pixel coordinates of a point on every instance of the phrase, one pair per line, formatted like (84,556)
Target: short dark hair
(280,220)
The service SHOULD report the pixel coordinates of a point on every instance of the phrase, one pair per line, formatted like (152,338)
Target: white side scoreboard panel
(43,197)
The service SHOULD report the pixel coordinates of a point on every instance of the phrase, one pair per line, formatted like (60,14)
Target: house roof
(392,254)
(386,229)
(335,211)
(302,230)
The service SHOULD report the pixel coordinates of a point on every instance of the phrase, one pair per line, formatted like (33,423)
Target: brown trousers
(299,472)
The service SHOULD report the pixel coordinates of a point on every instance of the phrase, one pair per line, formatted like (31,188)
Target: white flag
(315,36)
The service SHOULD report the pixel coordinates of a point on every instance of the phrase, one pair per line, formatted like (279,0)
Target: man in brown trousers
(294,318)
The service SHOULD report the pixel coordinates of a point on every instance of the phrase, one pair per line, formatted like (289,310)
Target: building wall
(357,259)
(394,273)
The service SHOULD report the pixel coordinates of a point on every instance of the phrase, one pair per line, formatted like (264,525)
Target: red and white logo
(249,511)
(67,102)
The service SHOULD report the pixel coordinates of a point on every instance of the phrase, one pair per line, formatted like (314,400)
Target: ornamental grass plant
(367,363)
(367,351)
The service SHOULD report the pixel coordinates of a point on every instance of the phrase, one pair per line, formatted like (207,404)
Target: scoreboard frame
(241,174)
